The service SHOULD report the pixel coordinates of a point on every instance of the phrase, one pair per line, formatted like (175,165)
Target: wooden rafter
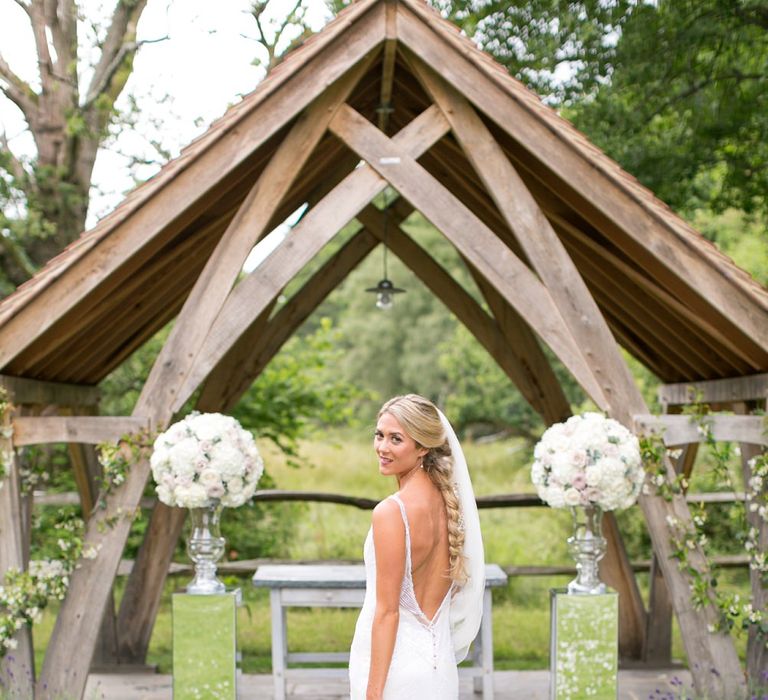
(460,303)
(597,195)
(187,189)
(317,227)
(473,239)
(246,228)
(260,343)
(388,67)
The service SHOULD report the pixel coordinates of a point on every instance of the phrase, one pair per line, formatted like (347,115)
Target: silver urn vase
(587,546)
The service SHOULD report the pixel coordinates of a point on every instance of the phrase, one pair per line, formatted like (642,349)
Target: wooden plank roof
(670,297)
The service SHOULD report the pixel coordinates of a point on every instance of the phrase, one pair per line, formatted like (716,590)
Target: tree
(686,107)
(559,49)
(44,200)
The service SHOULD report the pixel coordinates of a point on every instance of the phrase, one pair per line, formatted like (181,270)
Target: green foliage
(299,389)
(691,126)
(560,49)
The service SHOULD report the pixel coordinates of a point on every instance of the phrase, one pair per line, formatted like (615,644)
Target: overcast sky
(204,66)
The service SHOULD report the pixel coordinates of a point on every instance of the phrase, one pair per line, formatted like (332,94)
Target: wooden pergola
(567,249)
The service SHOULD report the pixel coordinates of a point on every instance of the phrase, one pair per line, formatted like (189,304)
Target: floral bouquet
(589,460)
(204,459)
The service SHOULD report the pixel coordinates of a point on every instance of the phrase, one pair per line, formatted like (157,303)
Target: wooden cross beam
(716,391)
(458,301)
(34,430)
(239,368)
(34,391)
(681,430)
(470,235)
(317,227)
(248,226)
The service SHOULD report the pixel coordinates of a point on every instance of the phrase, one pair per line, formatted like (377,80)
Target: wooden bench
(343,586)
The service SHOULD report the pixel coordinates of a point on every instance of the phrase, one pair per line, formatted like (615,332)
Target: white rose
(227,460)
(184,456)
(235,485)
(165,495)
(555,496)
(211,426)
(572,497)
(563,468)
(197,496)
(537,473)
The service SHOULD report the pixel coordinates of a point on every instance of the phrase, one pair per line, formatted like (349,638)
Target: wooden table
(343,586)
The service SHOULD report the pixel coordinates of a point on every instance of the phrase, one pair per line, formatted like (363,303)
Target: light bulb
(384,301)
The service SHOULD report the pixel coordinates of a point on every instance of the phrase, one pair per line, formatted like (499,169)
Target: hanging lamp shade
(385,292)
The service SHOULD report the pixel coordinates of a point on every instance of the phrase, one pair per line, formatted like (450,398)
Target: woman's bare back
(430,556)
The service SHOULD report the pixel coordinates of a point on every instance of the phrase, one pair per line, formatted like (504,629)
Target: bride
(423,560)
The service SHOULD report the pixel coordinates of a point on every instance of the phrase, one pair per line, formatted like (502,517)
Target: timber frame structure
(566,248)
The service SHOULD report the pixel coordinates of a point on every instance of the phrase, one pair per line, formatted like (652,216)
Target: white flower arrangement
(204,458)
(588,460)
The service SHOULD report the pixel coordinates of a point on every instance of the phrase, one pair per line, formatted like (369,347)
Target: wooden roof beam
(460,303)
(319,225)
(22,390)
(470,235)
(238,369)
(246,228)
(388,66)
(684,269)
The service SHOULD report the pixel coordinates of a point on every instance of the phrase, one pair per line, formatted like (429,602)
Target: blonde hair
(420,419)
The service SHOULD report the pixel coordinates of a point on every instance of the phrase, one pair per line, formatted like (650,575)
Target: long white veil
(467,603)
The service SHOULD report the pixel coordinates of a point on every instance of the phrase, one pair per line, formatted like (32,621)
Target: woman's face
(398,453)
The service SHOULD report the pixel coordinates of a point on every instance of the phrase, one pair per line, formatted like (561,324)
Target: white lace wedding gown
(423,663)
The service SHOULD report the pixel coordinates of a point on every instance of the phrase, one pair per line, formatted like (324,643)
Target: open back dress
(423,663)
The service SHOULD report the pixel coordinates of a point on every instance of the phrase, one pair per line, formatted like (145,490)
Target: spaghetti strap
(408,563)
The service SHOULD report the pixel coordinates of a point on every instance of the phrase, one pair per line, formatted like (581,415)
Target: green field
(326,531)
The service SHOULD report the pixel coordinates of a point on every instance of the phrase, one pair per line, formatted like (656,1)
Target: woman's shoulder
(386,512)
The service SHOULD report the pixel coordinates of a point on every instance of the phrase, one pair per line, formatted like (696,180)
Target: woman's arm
(389,545)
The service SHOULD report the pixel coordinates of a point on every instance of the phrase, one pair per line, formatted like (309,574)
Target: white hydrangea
(204,458)
(588,460)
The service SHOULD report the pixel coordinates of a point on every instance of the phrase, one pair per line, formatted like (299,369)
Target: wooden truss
(526,256)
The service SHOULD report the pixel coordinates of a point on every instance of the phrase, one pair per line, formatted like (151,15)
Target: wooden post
(757,650)
(227,382)
(658,630)
(17,668)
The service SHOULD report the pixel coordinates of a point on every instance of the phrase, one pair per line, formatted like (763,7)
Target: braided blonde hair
(420,419)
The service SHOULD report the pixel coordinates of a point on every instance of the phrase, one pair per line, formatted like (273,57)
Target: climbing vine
(685,538)
(25,594)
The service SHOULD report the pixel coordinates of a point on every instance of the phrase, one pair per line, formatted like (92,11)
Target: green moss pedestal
(205,646)
(584,646)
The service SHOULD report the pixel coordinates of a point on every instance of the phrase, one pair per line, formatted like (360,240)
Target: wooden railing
(511,500)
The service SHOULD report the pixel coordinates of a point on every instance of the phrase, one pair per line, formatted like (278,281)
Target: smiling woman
(416,562)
